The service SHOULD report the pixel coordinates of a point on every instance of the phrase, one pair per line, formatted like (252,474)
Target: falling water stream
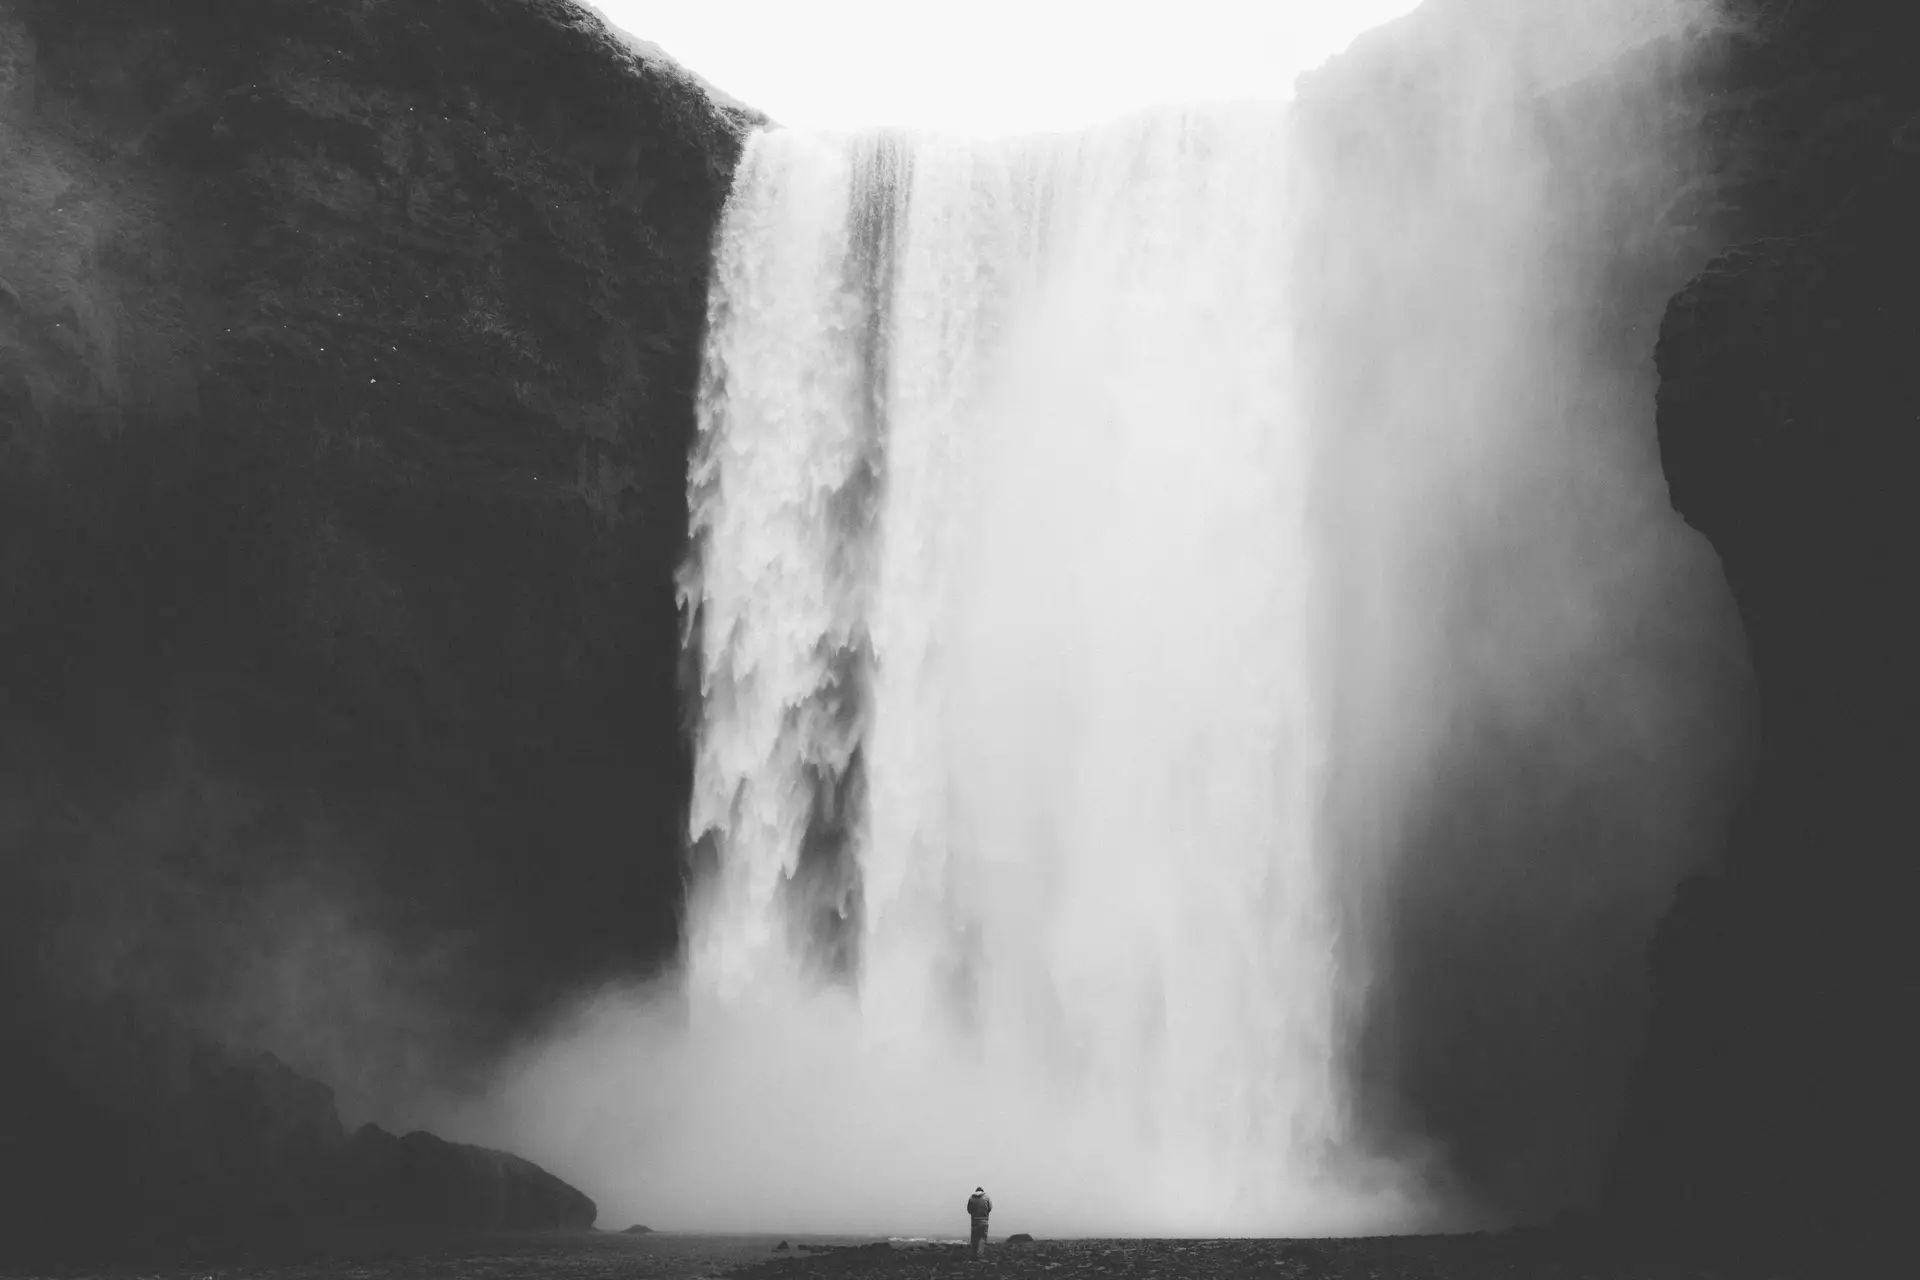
(1201,694)
(1011,741)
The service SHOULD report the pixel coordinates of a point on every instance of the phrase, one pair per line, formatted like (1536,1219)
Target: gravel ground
(665,1256)
(1393,1258)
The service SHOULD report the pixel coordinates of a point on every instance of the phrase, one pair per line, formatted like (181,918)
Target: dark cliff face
(143,1138)
(347,356)
(1766,1108)
(1540,697)
(1751,206)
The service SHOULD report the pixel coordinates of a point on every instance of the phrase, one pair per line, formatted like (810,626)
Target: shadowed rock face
(347,356)
(1789,421)
(137,1135)
(1505,871)
(1782,279)
(419,1180)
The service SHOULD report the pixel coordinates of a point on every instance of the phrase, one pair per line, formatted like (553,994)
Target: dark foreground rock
(420,1181)
(347,356)
(140,1137)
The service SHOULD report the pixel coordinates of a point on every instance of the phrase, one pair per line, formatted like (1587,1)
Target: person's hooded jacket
(978,1205)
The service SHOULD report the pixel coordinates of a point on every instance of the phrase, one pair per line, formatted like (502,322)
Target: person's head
(979,1191)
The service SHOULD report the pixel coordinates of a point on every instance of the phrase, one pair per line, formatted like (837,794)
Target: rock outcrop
(420,1181)
(347,367)
(1789,424)
(347,359)
(138,1135)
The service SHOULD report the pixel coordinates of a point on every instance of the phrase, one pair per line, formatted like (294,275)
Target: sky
(994,66)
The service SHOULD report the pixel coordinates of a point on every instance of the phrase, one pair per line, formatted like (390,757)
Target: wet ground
(600,1255)
(668,1256)
(1394,1258)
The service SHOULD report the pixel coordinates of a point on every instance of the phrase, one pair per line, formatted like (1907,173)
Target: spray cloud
(1158,593)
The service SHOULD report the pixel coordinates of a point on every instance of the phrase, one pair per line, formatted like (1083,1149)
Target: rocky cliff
(1741,255)
(139,1136)
(347,355)
(1789,425)
(1541,681)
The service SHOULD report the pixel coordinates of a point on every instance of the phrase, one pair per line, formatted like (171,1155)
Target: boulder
(420,1181)
(347,358)
(146,1136)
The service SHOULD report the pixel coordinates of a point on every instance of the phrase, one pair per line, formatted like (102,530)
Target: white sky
(993,65)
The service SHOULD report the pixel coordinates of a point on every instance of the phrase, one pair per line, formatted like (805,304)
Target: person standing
(978,1207)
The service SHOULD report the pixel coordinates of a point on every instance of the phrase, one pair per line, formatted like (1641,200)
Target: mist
(185,891)
(1203,697)
(1544,695)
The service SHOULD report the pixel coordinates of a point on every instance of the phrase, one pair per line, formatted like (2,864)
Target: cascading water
(1011,758)
(1202,695)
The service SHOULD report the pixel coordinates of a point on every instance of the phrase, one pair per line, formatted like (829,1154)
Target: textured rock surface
(420,1181)
(1789,420)
(346,369)
(1538,655)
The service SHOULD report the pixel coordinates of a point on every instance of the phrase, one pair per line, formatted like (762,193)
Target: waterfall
(1200,694)
(1011,753)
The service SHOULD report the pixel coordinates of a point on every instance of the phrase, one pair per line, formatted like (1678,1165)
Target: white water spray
(1026,471)
(1010,722)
